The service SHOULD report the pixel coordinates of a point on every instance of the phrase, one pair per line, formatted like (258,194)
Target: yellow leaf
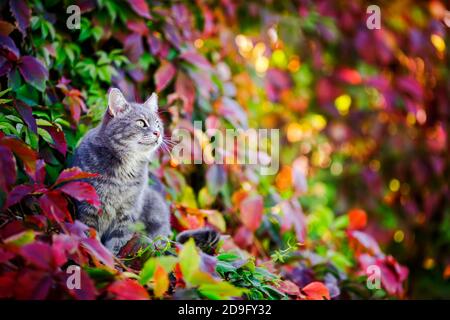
(161,281)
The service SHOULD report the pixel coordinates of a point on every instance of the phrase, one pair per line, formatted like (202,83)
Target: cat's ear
(152,102)
(116,102)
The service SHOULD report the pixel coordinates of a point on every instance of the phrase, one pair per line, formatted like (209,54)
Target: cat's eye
(141,123)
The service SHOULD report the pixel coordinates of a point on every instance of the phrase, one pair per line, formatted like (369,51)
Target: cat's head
(132,128)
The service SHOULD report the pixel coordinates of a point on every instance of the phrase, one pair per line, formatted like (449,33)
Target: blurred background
(367,110)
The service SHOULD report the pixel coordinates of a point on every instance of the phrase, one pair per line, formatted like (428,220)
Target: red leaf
(5,256)
(10,48)
(138,26)
(243,237)
(164,75)
(82,191)
(349,75)
(33,72)
(54,206)
(357,219)
(316,291)
(7,169)
(289,288)
(293,217)
(17,194)
(24,152)
(74,173)
(63,246)
(97,250)
(392,273)
(27,115)
(59,138)
(74,101)
(39,254)
(252,211)
(8,281)
(32,285)
(22,13)
(185,89)
(141,8)
(196,59)
(128,289)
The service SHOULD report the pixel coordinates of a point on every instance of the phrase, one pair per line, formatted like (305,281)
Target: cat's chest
(121,197)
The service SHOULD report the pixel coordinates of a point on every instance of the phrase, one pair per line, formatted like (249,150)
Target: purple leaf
(9,48)
(172,35)
(7,169)
(22,13)
(133,47)
(215,178)
(27,115)
(196,59)
(233,112)
(18,193)
(5,66)
(33,72)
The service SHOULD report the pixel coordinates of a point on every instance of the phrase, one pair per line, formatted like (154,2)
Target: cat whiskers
(167,144)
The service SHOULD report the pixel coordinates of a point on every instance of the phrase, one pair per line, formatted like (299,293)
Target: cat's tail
(206,238)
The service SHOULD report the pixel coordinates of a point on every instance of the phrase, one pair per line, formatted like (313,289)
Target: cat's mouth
(149,143)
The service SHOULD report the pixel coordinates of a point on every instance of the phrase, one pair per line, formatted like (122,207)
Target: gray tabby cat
(119,150)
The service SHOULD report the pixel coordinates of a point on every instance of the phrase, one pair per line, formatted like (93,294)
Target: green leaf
(220,291)
(147,272)
(189,259)
(22,238)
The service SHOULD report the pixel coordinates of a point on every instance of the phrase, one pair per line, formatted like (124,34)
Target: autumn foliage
(363,119)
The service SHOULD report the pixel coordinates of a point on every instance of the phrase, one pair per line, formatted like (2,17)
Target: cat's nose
(156,133)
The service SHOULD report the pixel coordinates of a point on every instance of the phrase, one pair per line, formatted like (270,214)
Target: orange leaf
(447,272)
(316,291)
(128,289)
(161,280)
(357,219)
(283,181)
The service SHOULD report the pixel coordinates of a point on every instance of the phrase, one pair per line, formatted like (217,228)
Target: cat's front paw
(206,239)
